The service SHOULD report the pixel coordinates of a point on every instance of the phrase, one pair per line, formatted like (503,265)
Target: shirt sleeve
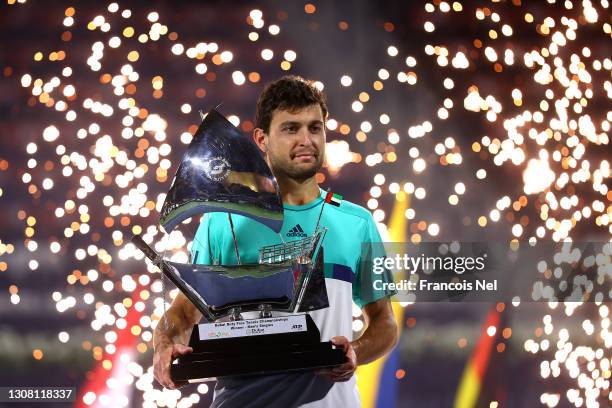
(369,285)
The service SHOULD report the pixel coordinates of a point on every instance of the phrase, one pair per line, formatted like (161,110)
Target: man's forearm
(177,329)
(378,339)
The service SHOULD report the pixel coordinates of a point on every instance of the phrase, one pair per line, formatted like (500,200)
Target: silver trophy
(223,171)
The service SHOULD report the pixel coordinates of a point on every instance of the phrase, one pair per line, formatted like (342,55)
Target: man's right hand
(163,356)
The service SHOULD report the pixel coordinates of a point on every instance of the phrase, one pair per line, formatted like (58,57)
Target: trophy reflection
(223,171)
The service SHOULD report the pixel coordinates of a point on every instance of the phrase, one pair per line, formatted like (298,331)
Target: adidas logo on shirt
(296,231)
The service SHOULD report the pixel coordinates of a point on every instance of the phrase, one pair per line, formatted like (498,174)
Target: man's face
(296,142)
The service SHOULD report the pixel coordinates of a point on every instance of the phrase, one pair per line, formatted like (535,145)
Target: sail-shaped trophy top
(222,170)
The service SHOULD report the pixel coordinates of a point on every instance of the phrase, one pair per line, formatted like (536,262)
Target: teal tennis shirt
(351,231)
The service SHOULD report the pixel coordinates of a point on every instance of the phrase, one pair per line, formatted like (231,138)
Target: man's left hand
(345,371)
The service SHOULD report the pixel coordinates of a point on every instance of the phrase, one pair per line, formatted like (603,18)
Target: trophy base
(256,354)
(209,365)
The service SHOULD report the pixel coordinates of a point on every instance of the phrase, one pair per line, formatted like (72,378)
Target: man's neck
(295,192)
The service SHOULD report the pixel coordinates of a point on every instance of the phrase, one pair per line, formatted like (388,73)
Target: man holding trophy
(290,132)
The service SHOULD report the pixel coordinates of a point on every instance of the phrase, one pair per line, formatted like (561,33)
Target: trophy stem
(229,217)
(300,295)
(319,218)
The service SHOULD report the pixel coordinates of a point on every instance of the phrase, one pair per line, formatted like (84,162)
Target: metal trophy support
(222,171)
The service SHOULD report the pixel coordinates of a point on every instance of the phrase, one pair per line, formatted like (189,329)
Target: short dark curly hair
(290,93)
